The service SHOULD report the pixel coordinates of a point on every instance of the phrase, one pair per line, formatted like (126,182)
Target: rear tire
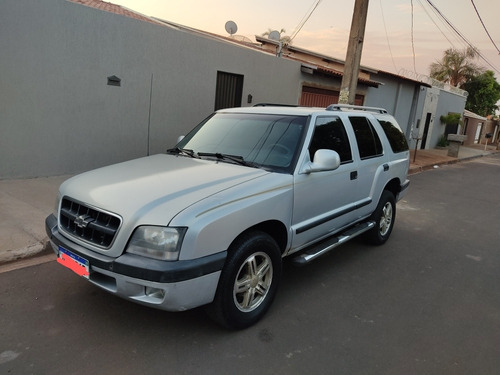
(384,216)
(248,282)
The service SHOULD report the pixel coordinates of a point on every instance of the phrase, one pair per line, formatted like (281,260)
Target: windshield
(262,140)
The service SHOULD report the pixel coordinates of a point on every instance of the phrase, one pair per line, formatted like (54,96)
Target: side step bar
(331,243)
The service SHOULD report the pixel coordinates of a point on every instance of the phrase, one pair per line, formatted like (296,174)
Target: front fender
(214,223)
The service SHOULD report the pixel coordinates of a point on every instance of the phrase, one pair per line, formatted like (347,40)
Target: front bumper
(172,286)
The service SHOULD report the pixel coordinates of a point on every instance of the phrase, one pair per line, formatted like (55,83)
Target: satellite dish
(274,35)
(231,27)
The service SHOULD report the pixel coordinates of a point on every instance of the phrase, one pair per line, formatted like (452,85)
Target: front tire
(248,282)
(384,216)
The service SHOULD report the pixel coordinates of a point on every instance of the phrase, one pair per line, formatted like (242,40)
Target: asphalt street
(427,302)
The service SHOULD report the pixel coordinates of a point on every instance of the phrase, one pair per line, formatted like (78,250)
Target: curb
(33,251)
(422,168)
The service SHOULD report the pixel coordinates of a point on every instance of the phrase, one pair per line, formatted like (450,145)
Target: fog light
(155,292)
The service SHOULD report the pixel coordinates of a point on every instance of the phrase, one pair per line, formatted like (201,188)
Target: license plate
(74,262)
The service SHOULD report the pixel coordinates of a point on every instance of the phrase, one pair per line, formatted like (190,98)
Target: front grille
(87,223)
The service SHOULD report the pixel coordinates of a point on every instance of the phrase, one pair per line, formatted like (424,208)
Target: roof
(123,11)
(397,76)
(473,115)
(336,73)
(116,9)
(313,68)
(233,39)
(321,56)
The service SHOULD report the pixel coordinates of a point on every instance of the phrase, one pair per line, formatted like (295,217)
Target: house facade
(61,110)
(87,83)
(473,127)
(437,102)
(480,130)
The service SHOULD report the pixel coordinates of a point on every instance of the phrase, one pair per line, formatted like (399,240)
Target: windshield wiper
(234,158)
(183,151)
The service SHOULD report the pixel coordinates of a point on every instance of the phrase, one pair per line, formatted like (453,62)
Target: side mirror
(324,160)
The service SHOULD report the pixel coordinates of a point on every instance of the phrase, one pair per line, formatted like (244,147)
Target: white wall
(397,96)
(57,113)
(438,102)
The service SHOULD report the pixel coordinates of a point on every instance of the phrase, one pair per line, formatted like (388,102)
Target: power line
(304,20)
(387,37)
(435,24)
(484,26)
(450,26)
(462,36)
(412,39)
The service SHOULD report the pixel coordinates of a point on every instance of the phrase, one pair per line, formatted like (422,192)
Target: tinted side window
(368,141)
(394,134)
(330,134)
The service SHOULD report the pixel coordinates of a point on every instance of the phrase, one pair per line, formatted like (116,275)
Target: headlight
(162,243)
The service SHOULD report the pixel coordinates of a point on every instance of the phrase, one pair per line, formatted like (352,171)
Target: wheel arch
(274,228)
(235,305)
(394,186)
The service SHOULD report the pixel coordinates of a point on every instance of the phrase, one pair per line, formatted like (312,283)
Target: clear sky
(388,38)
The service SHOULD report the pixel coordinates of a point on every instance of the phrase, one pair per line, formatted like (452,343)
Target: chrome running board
(331,243)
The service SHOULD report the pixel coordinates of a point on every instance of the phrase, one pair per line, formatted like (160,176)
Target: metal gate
(316,97)
(229,90)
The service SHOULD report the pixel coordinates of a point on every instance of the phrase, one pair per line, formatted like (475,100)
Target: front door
(426,131)
(324,202)
(478,133)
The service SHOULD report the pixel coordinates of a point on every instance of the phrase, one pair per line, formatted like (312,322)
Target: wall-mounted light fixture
(249,99)
(308,69)
(114,81)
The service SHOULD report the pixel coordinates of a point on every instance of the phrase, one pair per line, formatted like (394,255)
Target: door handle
(354,175)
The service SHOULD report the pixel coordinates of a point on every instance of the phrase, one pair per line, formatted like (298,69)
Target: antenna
(276,36)
(231,27)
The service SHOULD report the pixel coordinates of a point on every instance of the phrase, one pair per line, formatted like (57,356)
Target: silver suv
(209,222)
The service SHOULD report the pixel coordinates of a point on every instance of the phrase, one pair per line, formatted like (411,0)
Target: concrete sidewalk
(428,159)
(25,203)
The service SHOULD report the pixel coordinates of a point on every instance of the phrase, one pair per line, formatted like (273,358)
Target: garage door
(316,97)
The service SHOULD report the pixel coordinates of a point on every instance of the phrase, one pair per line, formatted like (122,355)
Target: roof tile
(116,9)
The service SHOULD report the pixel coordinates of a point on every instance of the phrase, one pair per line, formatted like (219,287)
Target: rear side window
(369,144)
(330,134)
(394,134)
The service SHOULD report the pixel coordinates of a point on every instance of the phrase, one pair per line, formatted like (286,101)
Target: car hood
(135,190)
(136,186)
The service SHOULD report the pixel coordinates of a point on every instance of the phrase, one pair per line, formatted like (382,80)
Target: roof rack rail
(340,107)
(274,105)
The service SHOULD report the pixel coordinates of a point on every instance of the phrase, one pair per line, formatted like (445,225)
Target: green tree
(484,93)
(456,67)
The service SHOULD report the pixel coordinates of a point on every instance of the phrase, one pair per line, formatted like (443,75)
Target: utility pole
(354,49)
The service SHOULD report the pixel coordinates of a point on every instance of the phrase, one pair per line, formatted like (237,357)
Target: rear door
(373,167)
(324,201)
